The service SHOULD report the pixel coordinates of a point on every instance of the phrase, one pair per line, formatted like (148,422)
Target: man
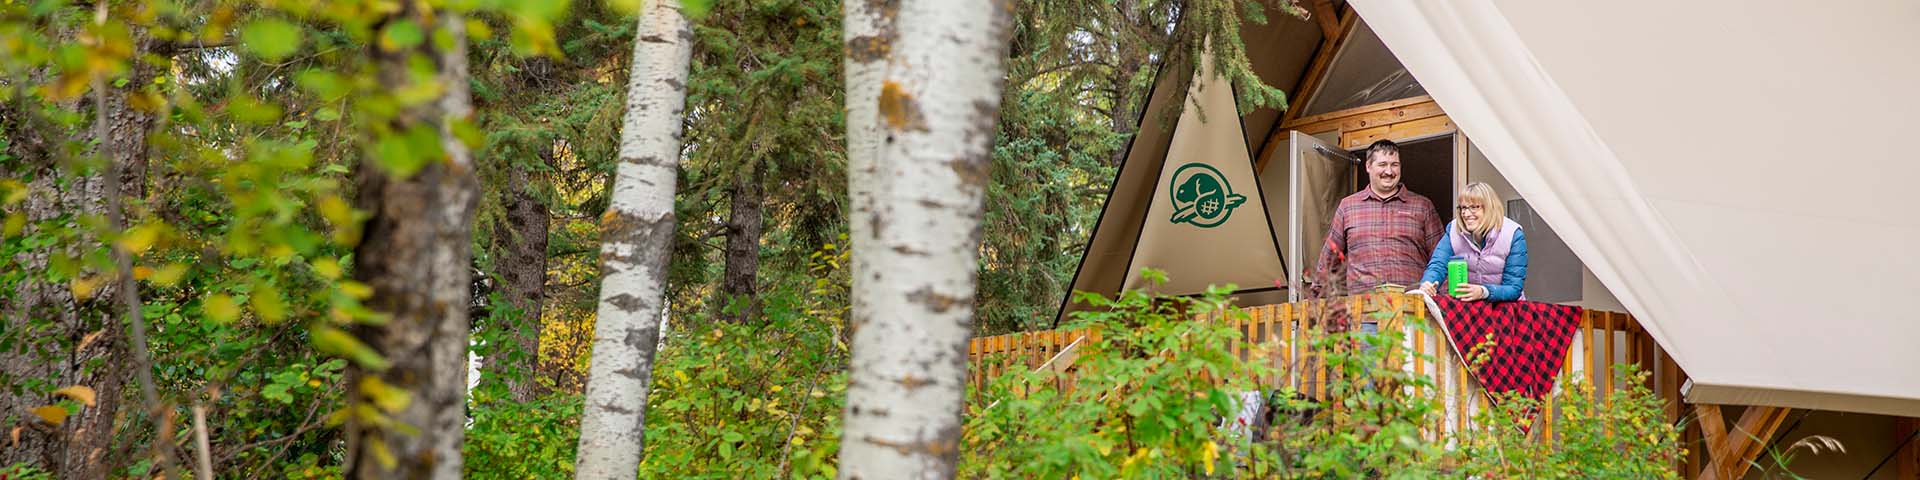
(1382,235)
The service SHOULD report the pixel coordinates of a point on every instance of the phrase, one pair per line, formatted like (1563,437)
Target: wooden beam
(1713,429)
(1309,123)
(1399,132)
(1907,459)
(1732,453)
(1329,20)
(1329,48)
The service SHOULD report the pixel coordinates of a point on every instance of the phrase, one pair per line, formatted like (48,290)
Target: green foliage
(1621,435)
(1146,405)
(22,471)
(1149,395)
(514,440)
(733,400)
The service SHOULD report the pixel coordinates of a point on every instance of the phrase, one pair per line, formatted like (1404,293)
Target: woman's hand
(1472,292)
(1431,288)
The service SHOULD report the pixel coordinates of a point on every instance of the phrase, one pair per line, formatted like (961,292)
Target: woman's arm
(1514,276)
(1437,266)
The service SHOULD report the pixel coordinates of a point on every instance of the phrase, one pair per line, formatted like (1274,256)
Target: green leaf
(270,38)
(401,35)
(327,85)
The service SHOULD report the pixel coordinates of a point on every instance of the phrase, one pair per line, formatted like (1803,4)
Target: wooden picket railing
(1284,335)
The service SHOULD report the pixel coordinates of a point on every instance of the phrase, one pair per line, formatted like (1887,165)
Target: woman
(1494,247)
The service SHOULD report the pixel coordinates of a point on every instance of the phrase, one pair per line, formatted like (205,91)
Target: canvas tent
(1735,172)
(1731,172)
(1200,199)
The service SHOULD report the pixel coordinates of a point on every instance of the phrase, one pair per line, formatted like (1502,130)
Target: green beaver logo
(1202,197)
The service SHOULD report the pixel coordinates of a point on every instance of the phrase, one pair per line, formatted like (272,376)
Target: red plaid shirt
(1381,240)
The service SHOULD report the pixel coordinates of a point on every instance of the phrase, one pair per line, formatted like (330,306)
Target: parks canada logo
(1202,197)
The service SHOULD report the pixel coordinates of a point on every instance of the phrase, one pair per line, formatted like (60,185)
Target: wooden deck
(1282,333)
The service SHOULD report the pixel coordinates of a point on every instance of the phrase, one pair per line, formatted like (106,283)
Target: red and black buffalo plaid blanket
(1530,342)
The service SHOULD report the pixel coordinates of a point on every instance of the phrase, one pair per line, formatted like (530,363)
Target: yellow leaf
(53,414)
(1207,456)
(680,375)
(220,307)
(381,453)
(267,303)
(336,210)
(387,397)
(356,289)
(142,272)
(16,222)
(139,239)
(81,393)
(83,287)
(88,340)
(168,275)
(327,267)
(775,388)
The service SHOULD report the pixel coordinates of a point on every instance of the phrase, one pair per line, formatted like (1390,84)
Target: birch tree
(870,34)
(636,243)
(416,255)
(914,281)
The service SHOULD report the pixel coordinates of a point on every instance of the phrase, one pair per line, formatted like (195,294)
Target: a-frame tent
(1137,227)
(1732,174)
(1684,166)
(1737,173)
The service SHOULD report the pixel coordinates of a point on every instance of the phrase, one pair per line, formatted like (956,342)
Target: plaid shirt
(1381,240)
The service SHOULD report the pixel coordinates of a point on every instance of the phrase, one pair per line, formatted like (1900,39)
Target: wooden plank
(1331,120)
(1713,429)
(1907,460)
(1369,116)
(1323,13)
(1587,348)
(1399,132)
(1609,342)
(1460,154)
(1734,452)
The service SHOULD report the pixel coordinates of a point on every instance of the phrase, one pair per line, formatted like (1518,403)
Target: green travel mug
(1456,275)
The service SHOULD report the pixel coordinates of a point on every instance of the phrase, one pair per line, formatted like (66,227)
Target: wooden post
(1907,459)
(1731,453)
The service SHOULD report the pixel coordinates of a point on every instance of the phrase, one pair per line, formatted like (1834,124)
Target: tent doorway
(1426,168)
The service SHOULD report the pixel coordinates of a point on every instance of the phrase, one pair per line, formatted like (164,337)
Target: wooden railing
(1283,334)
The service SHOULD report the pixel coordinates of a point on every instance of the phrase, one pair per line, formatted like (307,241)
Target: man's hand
(1432,289)
(1472,292)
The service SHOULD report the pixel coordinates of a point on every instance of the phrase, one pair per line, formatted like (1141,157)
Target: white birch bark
(869,35)
(913,292)
(635,244)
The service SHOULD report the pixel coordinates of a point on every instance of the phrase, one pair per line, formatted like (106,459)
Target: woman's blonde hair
(1492,210)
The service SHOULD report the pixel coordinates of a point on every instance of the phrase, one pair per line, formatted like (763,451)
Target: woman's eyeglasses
(1471,208)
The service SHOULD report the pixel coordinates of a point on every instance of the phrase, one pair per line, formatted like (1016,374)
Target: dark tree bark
(68,340)
(521,246)
(737,286)
(416,254)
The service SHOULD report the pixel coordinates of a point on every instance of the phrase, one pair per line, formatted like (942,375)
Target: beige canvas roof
(1279,52)
(1736,173)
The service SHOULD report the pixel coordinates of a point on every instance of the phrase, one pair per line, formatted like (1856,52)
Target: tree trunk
(737,287)
(522,265)
(914,291)
(62,339)
(416,255)
(870,36)
(635,245)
